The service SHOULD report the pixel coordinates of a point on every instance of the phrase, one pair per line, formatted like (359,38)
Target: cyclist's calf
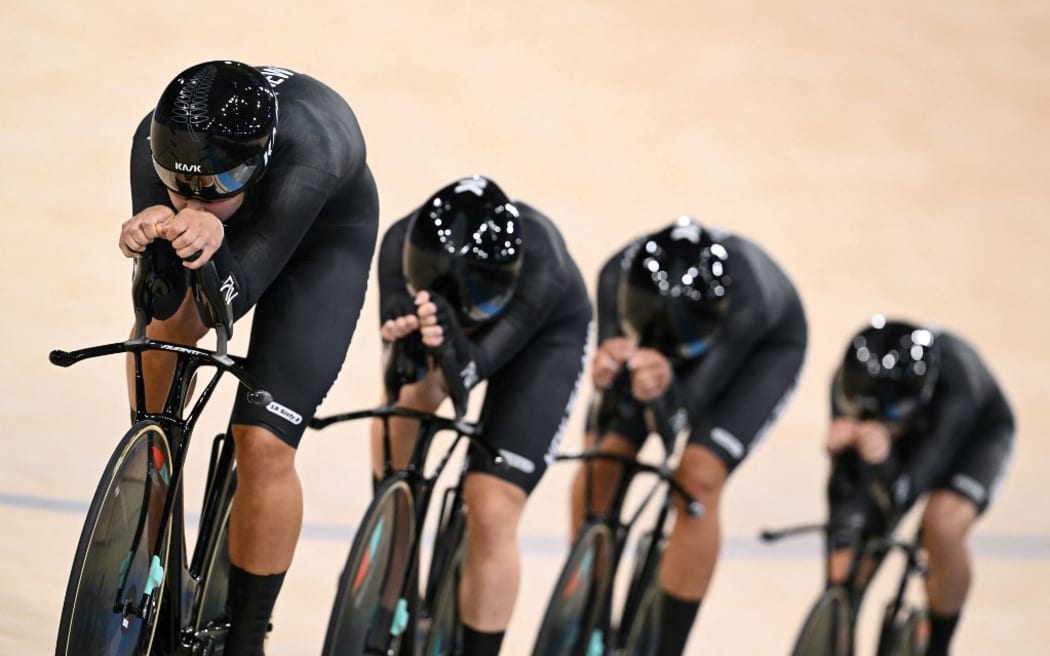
(267,507)
(491,570)
(947,520)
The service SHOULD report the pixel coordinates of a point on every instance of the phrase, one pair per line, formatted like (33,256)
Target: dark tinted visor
(478,292)
(666,326)
(869,398)
(484,293)
(215,186)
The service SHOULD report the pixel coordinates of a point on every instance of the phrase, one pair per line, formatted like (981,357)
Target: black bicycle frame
(864,549)
(614,517)
(178,427)
(421,484)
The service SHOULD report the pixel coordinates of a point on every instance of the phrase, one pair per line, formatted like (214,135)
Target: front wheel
(572,625)
(640,621)
(116,583)
(442,604)
(210,623)
(369,611)
(828,630)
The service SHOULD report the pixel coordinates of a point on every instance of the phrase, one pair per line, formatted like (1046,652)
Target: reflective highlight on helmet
(465,243)
(889,371)
(213,129)
(674,290)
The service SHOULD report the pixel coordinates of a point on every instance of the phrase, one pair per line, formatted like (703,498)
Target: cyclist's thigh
(626,429)
(301,331)
(983,460)
(528,401)
(616,412)
(738,418)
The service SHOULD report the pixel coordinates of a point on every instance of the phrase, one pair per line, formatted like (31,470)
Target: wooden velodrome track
(893,156)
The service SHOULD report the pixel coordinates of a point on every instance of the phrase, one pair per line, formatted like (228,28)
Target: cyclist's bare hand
(873,442)
(140,231)
(193,232)
(841,434)
(609,358)
(429,326)
(651,374)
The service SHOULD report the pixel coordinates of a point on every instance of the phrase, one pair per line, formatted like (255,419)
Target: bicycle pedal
(210,639)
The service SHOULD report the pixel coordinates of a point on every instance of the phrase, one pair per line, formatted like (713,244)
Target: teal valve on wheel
(596,647)
(400,617)
(156,575)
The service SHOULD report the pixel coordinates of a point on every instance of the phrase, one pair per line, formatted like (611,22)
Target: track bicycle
(132,589)
(830,626)
(379,607)
(579,620)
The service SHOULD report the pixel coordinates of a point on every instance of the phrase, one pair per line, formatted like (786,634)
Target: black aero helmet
(213,130)
(465,243)
(889,370)
(674,289)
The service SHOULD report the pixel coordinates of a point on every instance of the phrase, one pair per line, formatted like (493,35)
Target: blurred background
(894,157)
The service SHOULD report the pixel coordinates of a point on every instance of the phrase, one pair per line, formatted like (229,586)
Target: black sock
(676,620)
(478,643)
(941,630)
(249,604)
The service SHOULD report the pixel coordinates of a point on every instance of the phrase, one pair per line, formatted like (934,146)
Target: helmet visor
(477,291)
(869,398)
(214,186)
(680,333)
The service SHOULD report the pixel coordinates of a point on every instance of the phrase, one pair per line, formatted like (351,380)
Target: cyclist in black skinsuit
(491,283)
(704,322)
(263,172)
(916,411)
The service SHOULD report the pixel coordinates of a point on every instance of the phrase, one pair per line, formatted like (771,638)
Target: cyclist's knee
(839,562)
(946,520)
(261,455)
(183,327)
(425,395)
(604,473)
(702,475)
(494,509)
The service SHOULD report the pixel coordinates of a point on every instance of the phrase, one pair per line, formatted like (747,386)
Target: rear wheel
(370,612)
(116,584)
(828,629)
(572,623)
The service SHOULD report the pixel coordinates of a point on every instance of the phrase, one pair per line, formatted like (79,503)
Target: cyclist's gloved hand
(404,363)
(614,402)
(883,486)
(457,355)
(396,307)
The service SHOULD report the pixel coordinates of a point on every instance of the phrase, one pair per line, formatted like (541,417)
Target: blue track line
(988,545)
